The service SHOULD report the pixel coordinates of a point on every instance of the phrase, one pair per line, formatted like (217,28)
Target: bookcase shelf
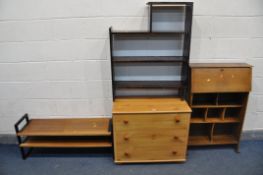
(131,59)
(156,59)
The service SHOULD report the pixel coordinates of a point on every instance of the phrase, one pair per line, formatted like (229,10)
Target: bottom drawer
(148,147)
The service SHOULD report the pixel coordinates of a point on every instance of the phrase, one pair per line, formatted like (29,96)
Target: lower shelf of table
(216,140)
(65,142)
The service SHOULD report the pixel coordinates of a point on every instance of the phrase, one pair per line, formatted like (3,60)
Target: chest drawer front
(150,137)
(221,80)
(135,122)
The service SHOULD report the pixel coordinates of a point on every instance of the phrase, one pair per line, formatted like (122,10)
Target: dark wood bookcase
(153,63)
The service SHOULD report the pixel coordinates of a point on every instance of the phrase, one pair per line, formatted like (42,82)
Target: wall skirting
(246,135)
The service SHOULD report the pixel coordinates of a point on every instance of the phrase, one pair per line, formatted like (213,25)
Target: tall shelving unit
(153,63)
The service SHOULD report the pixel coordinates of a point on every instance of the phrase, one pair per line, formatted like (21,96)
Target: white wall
(54,54)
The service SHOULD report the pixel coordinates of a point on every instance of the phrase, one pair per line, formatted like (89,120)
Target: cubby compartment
(233,113)
(231,98)
(198,115)
(215,113)
(225,133)
(168,19)
(200,134)
(204,99)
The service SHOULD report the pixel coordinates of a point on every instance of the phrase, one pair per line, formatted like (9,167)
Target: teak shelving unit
(153,63)
(63,133)
(219,94)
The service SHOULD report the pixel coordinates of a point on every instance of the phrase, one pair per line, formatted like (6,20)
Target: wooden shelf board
(224,139)
(198,140)
(145,33)
(67,127)
(64,143)
(215,120)
(217,140)
(123,59)
(148,84)
(216,106)
(219,65)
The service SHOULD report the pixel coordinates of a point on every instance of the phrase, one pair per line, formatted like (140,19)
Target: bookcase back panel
(148,45)
(168,19)
(148,72)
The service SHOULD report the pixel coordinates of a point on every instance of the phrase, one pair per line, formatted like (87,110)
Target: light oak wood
(215,120)
(216,106)
(67,127)
(150,105)
(220,65)
(222,88)
(205,80)
(54,142)
(217,140)
(143,135)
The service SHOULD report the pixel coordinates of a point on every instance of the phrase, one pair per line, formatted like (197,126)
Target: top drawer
(220,80)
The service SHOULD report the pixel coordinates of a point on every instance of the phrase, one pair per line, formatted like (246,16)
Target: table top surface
(219,65)
(150,105)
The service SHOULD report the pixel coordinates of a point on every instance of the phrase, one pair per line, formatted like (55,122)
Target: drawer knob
(177,120)
(126,138)
(125,122)
(154,136)
(232,76)
(221,76)
(175,138)
(126,154)
(208,80)
(174,152)
(221,70)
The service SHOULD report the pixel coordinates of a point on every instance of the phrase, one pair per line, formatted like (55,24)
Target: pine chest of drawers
(150,130)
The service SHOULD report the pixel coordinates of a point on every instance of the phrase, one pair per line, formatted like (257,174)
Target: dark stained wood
(145,33)
(149,59)
(148,84)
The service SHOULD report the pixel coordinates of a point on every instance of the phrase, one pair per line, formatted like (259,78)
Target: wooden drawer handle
(126,154)
(177,120)
(174,152)
(125,122)
(175,138)
(126,138)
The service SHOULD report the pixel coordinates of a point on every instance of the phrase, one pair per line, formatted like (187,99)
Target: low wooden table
(63,133)
(150,130)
